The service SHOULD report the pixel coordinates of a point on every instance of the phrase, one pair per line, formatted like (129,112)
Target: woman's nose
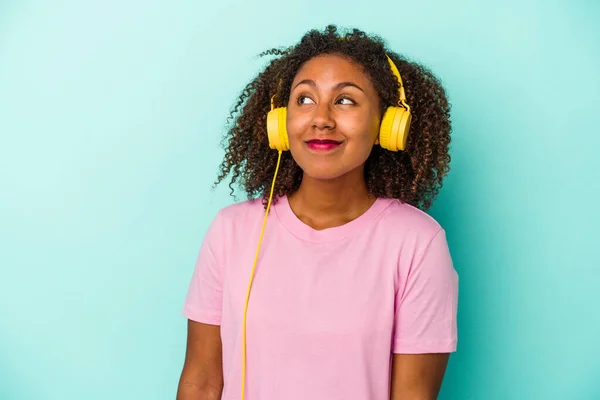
(323,118)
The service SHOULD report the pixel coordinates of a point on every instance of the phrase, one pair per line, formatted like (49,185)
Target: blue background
(110,118)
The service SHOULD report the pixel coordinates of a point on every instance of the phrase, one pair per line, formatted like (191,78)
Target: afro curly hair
(413,176)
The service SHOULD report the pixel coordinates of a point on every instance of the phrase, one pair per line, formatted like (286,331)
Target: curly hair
(414,175)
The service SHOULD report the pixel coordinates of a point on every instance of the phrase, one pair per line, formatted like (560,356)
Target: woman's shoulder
(241,214)
(400,216)
(241,208)
(409,229)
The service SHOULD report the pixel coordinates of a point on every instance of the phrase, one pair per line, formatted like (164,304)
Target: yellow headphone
(393,132)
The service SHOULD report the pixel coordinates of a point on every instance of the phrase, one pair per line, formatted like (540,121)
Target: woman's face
(333,117)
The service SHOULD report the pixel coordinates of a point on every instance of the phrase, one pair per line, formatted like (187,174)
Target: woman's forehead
(331,67)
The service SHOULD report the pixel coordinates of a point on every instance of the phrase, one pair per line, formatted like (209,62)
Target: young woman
(352,294)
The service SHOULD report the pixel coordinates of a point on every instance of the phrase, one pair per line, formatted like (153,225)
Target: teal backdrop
(110,119)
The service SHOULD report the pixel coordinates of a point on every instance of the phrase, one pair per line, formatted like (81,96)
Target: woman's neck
(323,204)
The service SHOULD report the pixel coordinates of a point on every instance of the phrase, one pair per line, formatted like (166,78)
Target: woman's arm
(418,376)
(202,375)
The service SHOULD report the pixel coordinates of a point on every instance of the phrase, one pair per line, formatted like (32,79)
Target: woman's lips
(322,144)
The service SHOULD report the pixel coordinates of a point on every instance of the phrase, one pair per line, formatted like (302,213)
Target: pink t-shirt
(328,308)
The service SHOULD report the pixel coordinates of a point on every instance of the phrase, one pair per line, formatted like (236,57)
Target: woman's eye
(304,100)
(347,101)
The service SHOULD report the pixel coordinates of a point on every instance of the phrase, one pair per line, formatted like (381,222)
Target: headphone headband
(401,92)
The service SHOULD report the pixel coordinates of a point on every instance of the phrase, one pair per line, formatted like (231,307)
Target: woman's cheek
(295,126)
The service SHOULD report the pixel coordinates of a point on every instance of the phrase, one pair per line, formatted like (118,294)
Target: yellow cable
(252,278)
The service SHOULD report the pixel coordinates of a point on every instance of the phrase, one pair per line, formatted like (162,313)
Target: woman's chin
(323,174)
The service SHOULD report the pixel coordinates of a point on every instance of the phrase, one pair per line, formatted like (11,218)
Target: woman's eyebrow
(339,86)
(342,85)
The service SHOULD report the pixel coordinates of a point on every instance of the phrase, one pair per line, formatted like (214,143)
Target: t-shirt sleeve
(426,305)
(203,302)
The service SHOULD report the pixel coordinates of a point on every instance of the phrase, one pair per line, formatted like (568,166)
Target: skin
(202,375)
(331,98)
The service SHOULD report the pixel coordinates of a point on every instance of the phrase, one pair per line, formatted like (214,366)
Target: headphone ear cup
(395,125)
(276,129)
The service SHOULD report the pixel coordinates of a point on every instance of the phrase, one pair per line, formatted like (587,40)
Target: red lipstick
(322,144)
